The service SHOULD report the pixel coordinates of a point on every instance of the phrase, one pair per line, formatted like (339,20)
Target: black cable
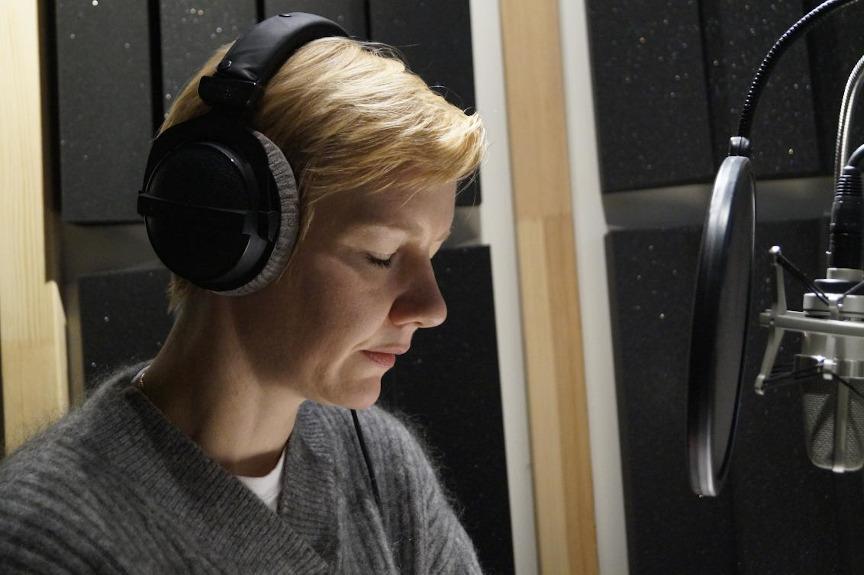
(372,480)
(760,77)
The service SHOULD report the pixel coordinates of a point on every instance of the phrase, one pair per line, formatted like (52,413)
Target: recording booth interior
(650,363)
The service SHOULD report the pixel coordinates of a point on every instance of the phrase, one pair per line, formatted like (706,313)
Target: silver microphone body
(833,414)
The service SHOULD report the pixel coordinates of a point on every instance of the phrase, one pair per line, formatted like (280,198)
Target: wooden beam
(32,322)
(549,285)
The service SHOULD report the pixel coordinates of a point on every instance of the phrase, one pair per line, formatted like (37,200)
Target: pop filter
(719,327)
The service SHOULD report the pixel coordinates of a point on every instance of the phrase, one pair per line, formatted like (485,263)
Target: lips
(383,359)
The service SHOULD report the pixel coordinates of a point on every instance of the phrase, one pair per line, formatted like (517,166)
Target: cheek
(336,301)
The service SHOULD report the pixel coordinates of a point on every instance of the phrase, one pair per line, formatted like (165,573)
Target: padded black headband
(254,58)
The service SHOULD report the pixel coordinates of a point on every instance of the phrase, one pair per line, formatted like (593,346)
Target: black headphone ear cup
(289,219)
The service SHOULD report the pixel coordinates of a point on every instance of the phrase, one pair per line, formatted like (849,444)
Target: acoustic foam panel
(104,106)
(448,383)
(835,47)
(191,30)
(350,14)
(651,105)
(435,39)
(2,411)
(737,37)
(668,529)
(778,514)
(124,318)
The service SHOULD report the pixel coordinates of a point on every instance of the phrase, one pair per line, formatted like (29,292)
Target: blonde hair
(349,116)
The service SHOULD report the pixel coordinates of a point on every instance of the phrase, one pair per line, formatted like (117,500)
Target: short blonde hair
(349,116)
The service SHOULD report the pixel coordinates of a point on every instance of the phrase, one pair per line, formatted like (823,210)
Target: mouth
(383,359)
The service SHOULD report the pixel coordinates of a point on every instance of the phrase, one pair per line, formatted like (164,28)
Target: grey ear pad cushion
(289,202)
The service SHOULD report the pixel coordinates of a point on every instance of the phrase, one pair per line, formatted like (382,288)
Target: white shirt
(269,486)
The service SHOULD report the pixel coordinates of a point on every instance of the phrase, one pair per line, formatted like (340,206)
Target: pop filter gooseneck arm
(760,78)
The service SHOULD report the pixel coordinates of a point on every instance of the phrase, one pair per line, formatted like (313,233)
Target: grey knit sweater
(114,487)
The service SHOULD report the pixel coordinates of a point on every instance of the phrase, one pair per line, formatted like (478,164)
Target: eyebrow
(404,229)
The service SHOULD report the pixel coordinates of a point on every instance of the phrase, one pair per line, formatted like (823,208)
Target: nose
(420,302)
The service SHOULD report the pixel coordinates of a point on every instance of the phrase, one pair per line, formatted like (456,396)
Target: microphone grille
(833,425)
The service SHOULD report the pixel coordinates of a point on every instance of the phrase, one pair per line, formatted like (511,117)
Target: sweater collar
(174,473)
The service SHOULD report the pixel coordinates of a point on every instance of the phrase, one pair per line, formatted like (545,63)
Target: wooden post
(32,322)
(539,160)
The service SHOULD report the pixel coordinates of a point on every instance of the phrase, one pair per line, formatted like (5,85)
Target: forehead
(426,209)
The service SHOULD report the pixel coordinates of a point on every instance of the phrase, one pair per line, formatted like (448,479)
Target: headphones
(219,199)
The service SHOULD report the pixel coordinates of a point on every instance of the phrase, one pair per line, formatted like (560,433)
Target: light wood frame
(555,371)
(32,321)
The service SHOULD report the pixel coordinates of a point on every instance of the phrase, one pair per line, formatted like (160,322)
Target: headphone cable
(372,480)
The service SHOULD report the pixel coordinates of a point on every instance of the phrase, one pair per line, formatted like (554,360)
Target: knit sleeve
(450,549)
(438,543)
(39,532)
(47,522)
(25,549)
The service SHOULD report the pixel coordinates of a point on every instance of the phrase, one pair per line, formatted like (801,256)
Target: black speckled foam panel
(835,47)
(449,383)
(668,529)
(650,100)
(350,14)
(778,514)
(124,318)
(105,113)
(737,37)
(191,30)
(435,39)
(2,422)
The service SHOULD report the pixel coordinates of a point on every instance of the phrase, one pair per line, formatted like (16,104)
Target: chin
(361,394)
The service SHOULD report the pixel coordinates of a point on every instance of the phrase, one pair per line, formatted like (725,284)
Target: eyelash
(379,262)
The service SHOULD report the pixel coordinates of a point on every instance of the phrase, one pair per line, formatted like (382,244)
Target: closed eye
(382,263)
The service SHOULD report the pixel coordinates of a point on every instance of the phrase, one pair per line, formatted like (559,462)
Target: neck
(204,385)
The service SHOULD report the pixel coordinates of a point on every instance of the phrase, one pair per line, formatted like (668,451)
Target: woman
(234,450)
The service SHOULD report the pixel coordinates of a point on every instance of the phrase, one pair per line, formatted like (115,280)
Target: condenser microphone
(834,414)
(830,367)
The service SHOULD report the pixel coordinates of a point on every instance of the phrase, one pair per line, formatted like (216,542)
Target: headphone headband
(254,58)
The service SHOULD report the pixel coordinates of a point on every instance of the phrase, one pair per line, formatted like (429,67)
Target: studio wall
(117,66)
(670,78)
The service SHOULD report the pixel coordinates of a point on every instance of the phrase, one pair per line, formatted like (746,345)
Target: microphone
(830,367)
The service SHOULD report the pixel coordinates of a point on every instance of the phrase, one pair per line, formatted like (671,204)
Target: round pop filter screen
(719,329)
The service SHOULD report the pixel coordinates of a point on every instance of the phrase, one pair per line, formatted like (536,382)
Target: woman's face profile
(358,287)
